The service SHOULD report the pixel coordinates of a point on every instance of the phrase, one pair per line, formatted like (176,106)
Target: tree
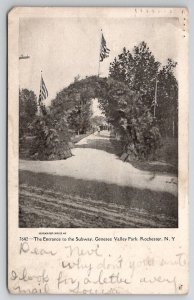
(146,70)
(51,138)
(74,102)
(27,110)
(141,72)
(43,136)
(131,119)
(79,118)
(167,100)
(122,68)
(77,78)
(98,120)
(138,70)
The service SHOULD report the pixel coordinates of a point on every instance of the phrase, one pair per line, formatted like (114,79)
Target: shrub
(51,140)
(132,121)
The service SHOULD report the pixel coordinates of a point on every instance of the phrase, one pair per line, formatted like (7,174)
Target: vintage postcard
(98,150)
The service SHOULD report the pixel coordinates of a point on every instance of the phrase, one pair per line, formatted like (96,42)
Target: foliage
(126,97)
(123,108)
(41,136)
(74,102)
(132,120)
(79,118)
(51,138)
(77,78)
(167,100)
(98,120)
(140,71)
(27,110)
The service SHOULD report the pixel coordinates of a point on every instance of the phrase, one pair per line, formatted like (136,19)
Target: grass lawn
(59,201)
(166,158)
(75,139)
(169,151)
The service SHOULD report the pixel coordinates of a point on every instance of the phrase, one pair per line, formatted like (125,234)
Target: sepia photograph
(98,122)
(98,150)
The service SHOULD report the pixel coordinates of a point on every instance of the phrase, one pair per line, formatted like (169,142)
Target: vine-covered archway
(70,112)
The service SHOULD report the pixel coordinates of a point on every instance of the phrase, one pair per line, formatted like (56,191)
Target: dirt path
(94,188)
(94,159)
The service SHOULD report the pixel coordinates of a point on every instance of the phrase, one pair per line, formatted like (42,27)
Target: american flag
(43,90)
(104,51)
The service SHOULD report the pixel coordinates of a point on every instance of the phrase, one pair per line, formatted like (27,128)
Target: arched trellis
(124,109)
(74,102)
(52,128)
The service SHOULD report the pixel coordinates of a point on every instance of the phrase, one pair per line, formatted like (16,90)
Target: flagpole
(99,53)
(39,98)
(99,68)
(40,85)
(155,102)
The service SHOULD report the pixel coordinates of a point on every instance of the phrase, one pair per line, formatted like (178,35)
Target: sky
(65,47)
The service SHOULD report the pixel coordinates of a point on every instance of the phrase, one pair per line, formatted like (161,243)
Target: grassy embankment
(166,160)
(59,201)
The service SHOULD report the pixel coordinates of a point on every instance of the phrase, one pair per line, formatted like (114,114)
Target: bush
(51,140)
(27,110)
(132,121)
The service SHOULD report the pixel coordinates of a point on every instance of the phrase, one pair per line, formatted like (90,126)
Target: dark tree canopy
(27,110)
(138,70)
(122,106)
(98,120)
(132,120)
(51,140)
(167,100)
(144,74)
(74,103)
(41,136)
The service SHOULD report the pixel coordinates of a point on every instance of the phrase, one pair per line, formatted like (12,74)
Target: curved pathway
(92,160)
